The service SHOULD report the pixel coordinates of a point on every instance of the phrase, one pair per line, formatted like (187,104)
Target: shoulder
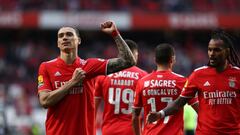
(178,75)
(46,63)
(94,60)
(235,68)
(201,71)
(137,69)
(147,76)
(203,68)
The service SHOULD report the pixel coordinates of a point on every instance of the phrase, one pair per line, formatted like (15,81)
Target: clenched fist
(108,27)
(153,116)
(78,76)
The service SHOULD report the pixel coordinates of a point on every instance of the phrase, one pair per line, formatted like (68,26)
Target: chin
(212,64)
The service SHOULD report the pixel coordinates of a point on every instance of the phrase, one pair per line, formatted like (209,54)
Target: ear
(79,41)
(173,60)
(228,52)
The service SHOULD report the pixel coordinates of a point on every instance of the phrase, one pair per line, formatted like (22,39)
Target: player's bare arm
(49,98)
(171,109)
(125,58)
(136,124)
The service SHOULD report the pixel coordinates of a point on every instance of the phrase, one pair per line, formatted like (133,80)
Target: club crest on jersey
(83,62)
(40,80)
(231,82)
(146,83)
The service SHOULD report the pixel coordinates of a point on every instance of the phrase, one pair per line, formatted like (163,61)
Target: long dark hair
(228,40)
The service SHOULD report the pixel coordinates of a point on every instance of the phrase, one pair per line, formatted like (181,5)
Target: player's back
(117,91)
(154,92)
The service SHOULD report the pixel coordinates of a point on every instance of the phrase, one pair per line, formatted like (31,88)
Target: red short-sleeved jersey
(153,93)
(117,91)
(219,100)
(74,114)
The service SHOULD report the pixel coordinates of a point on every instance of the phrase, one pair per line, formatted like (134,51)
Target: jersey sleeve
(138,96)
(98,87)
(95,67)
(190,87)
(43,79)
(192,101)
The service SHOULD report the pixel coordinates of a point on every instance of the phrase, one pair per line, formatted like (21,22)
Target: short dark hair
(163,53)
(76,31)
(131,44)
(74,28)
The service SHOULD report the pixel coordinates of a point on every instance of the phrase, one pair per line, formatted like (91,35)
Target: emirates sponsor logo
(220,97)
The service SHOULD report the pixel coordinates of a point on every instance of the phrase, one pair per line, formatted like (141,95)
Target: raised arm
(125,57)
(169,110)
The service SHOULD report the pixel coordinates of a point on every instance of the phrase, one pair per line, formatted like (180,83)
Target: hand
(108,27)
(153,116)
(78,76)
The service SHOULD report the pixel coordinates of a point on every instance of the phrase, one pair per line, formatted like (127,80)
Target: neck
(222,67)
(68,57)
(163,67)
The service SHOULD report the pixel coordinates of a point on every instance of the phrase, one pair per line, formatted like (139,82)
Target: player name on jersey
(160,92)
(124,78)
(219,97)
(160,87)
(122,82)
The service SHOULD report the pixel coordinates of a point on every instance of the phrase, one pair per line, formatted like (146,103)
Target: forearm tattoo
(125,58)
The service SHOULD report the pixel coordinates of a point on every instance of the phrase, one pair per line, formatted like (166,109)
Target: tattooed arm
(125,58)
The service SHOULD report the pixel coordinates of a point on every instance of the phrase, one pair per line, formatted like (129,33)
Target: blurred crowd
(224,6)
(22,52)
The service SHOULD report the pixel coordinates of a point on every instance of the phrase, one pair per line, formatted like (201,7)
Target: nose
(211,53)
(65,38)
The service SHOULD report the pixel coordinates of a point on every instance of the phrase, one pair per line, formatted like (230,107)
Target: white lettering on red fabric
(126,74)
(219,97)
(74,90)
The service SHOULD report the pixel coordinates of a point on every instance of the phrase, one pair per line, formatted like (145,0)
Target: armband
(115,33)
(162,113)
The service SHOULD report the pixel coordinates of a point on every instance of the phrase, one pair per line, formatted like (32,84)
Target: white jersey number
(152,102)
(117,95)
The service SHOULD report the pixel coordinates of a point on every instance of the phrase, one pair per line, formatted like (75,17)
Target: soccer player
(117,92)
(155,91)
(218,88)
(66,84)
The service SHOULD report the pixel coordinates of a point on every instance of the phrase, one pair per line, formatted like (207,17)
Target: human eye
(60,35)
(69,34)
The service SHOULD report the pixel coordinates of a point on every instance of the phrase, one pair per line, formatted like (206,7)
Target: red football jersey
(153,93)
(219,100)
(117,91)
(74,114)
